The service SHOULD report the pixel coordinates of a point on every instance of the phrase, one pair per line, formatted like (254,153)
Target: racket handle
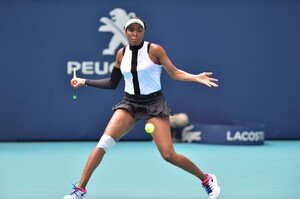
(74,83)
(74,94)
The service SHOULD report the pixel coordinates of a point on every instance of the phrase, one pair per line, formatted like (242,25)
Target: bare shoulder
(156,52)
(156,48)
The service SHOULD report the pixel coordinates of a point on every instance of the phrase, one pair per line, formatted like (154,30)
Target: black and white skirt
(144,107)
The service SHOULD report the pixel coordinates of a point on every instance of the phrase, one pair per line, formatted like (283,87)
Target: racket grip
(74,90)
(74,94)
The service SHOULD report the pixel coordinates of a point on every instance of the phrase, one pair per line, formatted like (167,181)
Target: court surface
(135,170)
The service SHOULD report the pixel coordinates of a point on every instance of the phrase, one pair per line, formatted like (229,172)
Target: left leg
(163,140)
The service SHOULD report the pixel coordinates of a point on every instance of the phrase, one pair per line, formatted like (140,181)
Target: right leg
(120,123)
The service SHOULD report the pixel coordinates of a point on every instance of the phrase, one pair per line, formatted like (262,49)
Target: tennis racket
(74,83)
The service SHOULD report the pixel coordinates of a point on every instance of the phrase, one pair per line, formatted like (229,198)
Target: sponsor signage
(247,134)
(113,25)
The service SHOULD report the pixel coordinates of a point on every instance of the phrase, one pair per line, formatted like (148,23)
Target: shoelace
(76,189)
(208,188)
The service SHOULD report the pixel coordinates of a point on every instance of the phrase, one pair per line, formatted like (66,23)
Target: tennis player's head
(134,30)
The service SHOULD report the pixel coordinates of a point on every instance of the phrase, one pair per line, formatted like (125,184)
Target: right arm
(107,83)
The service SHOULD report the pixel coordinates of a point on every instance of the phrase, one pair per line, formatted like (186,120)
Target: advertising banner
(252,47)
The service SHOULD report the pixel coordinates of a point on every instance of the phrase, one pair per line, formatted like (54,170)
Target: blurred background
(252,47)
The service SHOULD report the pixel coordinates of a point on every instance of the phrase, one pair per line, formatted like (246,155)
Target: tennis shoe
(78,193)
(211,186)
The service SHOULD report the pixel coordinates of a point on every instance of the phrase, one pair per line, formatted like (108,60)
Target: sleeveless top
(141,75)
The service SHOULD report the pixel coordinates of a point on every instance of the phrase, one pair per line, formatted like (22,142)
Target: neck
(136,48)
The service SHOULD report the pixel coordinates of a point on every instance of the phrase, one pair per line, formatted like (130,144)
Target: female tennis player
(140,64)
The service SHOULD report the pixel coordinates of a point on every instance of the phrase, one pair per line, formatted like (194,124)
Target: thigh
(120,123)
(162,134)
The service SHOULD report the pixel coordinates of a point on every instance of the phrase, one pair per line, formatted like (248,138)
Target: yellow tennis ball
(149,128)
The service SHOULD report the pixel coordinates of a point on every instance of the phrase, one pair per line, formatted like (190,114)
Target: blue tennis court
(135,170)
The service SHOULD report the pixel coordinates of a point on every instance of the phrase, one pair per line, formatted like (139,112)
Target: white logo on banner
(115,25)
(188,135)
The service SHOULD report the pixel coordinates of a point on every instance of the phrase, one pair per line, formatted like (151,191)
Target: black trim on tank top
(134,66)
(136,48)
(134,73)
(148,48)
(123,51)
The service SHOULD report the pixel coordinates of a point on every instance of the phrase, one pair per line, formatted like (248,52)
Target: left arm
(161,57)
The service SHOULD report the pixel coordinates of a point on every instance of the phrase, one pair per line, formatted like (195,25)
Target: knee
(106,142)
(169,156)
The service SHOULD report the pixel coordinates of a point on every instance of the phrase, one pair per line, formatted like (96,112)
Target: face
(134,34)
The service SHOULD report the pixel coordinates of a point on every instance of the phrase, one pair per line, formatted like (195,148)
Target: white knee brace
(106,142)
